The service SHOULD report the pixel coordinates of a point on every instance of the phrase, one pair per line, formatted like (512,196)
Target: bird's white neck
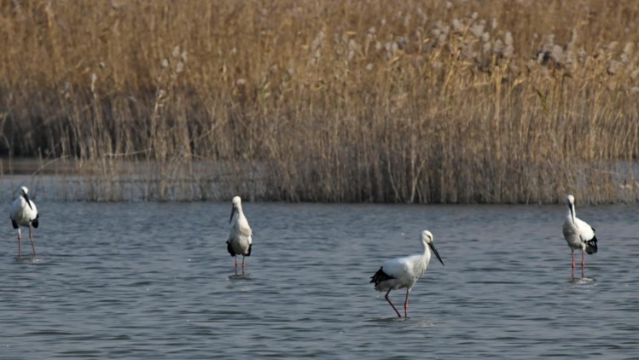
(240,214)
(426,255)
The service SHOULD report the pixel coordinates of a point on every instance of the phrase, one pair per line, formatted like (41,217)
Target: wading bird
(403,272)
(579,235)
(24,213)
(240,239)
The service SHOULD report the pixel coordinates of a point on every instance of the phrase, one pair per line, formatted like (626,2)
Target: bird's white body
(577,232)
(241,236)
(21,213)
(404,272)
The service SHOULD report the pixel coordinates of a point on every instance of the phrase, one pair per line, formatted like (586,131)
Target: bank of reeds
(355,101)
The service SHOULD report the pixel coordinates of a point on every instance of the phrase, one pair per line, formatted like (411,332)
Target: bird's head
(427,238)
(237,203)
(570,200)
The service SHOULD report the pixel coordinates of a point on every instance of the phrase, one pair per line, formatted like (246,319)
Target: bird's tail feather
(591,245)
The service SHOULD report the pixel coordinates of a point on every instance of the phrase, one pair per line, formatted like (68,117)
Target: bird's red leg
(391,303)
(583,262)
(31,239)
(235,257)
(243,257)
(406,303)
(19,242)
(572,254)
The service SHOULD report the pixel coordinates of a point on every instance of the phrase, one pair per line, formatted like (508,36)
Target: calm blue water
(152,281)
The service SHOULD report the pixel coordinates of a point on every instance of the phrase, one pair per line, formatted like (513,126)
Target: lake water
(152,281)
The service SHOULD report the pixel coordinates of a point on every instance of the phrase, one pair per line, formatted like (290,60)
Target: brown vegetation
(384,101)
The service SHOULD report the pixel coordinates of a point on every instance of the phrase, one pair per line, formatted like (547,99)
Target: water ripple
(129,282)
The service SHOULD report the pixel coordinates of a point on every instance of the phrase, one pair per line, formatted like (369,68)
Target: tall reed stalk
(351,101)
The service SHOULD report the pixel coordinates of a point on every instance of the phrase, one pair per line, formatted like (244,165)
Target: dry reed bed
(409,101)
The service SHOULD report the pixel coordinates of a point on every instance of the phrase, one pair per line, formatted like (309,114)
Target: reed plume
(337,101)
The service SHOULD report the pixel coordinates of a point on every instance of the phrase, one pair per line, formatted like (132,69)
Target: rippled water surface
(152,281)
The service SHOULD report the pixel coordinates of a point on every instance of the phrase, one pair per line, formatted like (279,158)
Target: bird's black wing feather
(35,222)
(15,224)
(591,245)
(380,276)
(230,249)
(249,252)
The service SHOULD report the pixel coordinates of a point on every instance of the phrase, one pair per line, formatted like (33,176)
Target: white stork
(240,239)
(579,235)
(403,272)
(23,213)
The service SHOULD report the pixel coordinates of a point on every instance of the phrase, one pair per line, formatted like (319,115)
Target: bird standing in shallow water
(403,272)
(240,239)
(579,235)
(24,213)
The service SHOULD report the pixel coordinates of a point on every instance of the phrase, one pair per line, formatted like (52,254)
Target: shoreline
(140,181)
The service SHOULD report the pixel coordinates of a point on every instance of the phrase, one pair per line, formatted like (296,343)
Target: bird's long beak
(572,212)
(432,247)
(233,210)
(26,197)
